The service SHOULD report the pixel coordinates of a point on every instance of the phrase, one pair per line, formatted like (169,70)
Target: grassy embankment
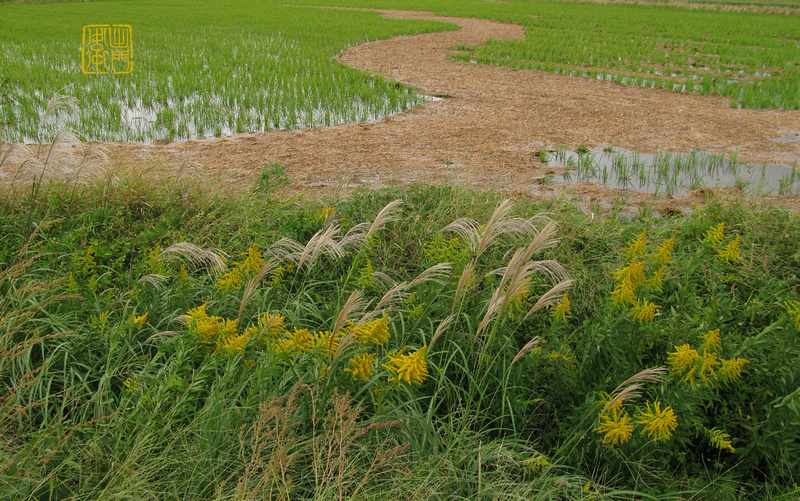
(382,354)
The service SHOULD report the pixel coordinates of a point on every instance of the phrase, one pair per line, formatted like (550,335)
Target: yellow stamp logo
(106,49)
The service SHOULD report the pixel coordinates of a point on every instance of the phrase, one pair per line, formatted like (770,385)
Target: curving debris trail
(483,134)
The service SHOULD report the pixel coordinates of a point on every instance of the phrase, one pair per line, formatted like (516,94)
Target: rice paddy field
(173,337)
(202,71)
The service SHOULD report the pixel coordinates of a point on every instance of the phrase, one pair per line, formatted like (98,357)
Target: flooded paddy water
(671,173)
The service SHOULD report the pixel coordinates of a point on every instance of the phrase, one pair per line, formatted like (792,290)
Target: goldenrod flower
(98,323)
(72,284)
(623,295)
(324,214)
(616,425)
(325,343)
(362,365)
(279,273)
(231,280)
(208,327)
(233,343)
(658,424)
(720,439)
(684,361)
(183,278)
(411,368)
(655,282)
(714,235)
(793,308)
(84,262)
(376,331)
(226,332)
(707,366)
(537,462)
(267,326)
(664,254)
(730,253)
(562,310)
(644,311)
(252,262)
(731,369)
(634,272)
(711,341)
(297,342)
(137,320)
(636,247)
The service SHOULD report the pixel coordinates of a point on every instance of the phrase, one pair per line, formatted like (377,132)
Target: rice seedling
(263,69)
(673,173)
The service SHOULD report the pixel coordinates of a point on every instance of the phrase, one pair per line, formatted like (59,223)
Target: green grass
(97,405)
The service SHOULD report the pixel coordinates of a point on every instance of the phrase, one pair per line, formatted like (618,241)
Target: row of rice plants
(668,173)
(746,56)
(199,69)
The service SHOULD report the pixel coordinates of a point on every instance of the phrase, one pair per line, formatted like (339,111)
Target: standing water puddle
(672,173)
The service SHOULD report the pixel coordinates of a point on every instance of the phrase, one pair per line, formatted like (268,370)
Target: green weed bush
(135,362)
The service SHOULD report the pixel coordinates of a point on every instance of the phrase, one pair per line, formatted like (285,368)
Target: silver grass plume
(195,257)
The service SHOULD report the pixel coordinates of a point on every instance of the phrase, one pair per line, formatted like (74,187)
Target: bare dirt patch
(484,134)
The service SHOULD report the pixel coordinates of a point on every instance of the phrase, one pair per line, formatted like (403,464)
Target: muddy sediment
(484,132)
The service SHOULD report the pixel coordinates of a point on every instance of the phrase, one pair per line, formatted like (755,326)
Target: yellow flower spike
(684,361)
(253,260)
(235,344)
(616,426)
(711,341)
(730,253)
(537,462)
(655,282)
(85,262)
(623,295)
(231,280)
(267,327)
(280,271)
(227,336)
(375,331)
(411,368)
(98,323)
(644,311)
(561,311)
(72,284)
(720,439)
(636,273)
(325,343)
(731,369)
(713,236)
(324,214)
(182,278)
(793,308)
(658,424)
(297,342)
(636,247)
(362,365)
(664,254)
(137,320)
(707,366)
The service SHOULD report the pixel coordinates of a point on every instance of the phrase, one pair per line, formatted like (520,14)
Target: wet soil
(484,133)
